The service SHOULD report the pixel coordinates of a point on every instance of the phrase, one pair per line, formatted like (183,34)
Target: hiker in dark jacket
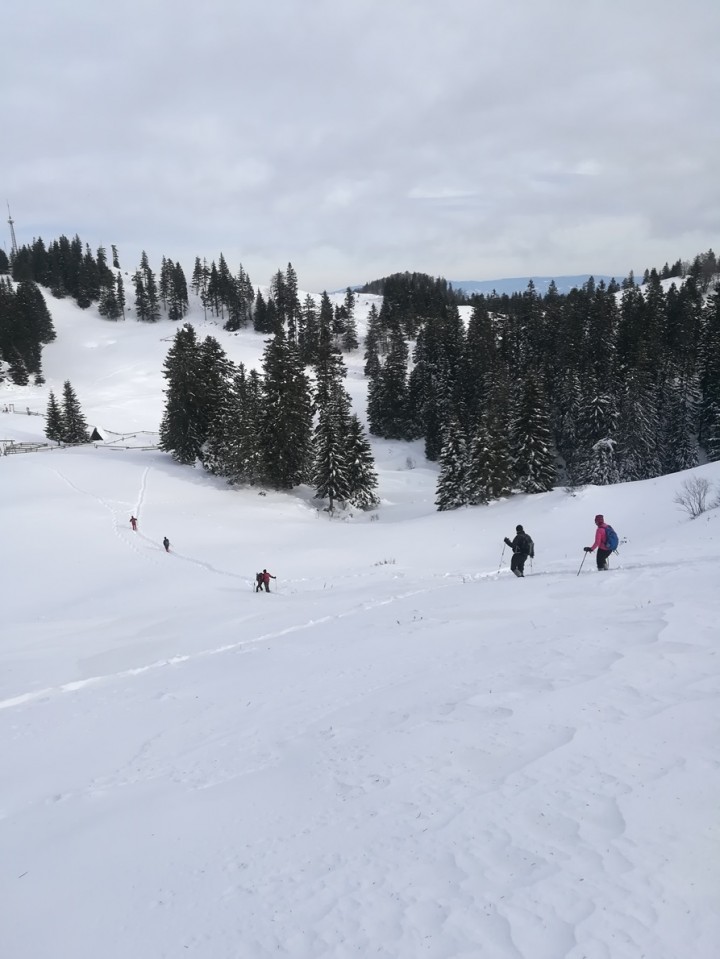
(258,582)
(166,544)
(522,547)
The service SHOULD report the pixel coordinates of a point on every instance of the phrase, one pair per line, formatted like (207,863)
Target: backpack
(612,539)
(529,545)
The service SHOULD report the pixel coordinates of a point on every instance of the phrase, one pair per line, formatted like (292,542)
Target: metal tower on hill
(12,229)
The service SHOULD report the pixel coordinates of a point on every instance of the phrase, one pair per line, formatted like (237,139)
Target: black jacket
(522,544)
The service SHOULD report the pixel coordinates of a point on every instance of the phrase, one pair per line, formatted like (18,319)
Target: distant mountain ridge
(518,284)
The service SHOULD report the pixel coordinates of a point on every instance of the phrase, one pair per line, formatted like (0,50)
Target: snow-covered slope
(402,751)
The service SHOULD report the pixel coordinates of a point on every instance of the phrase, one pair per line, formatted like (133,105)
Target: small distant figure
(266,579)
(601,544)
(166,544)
(133,523)
(28,410)
(522,547)
(258,582)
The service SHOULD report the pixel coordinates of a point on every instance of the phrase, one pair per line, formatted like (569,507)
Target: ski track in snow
(141,494)
(119,527)
(74,686)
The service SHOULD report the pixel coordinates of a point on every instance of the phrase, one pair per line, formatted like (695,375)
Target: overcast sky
(473,139)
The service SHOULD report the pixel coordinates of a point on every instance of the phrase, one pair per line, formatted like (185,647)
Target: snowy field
(401,752)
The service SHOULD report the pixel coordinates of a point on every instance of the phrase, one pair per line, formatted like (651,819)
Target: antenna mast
(12,229)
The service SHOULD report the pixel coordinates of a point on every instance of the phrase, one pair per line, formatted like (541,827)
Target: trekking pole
(581,564)
(501,557)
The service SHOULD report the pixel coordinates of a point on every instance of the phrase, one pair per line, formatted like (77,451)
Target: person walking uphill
(601,543)
(166,544)
(133,523)
(266,579)
(258,582)
(522,547)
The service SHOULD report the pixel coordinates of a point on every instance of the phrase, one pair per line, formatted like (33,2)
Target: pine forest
(513,393)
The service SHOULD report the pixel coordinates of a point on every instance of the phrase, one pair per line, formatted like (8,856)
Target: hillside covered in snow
(401,751)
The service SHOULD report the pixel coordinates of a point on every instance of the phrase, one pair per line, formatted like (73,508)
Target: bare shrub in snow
(693,495)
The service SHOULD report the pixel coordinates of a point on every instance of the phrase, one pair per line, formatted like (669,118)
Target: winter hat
(518,529)
(599,519)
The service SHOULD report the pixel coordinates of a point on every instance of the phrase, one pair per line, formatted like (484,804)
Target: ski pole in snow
(501,557)
(581,564)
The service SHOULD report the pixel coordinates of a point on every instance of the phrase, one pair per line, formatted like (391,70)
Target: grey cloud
(466,138)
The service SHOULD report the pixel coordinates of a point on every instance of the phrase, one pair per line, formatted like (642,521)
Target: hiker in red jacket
(266,579)
(600,543)
(133,523)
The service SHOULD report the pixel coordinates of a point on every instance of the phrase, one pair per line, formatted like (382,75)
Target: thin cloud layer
(473,139)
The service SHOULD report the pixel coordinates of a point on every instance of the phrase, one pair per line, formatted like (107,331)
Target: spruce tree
(221,454)
(501,457)
(164,287)
(286,435)
(350,340)
(7,318)
(601,465)
(480,472)
(177,292)
(196,280)
(17,370)
(142,306)
(88,283)
(182,427)
(153,302)
(293,309)
(252,422)
(330,470)
(31,324)
(330,478)
(489,472)
(531,443)
(120,295)
(638,432)
(597,424)
(54,425)
(75,428)
(710,378)
(372,340)
(452,489)
(680,424)
(394,388)
(308,332)
(215,372)
(361,475)
(108,305)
